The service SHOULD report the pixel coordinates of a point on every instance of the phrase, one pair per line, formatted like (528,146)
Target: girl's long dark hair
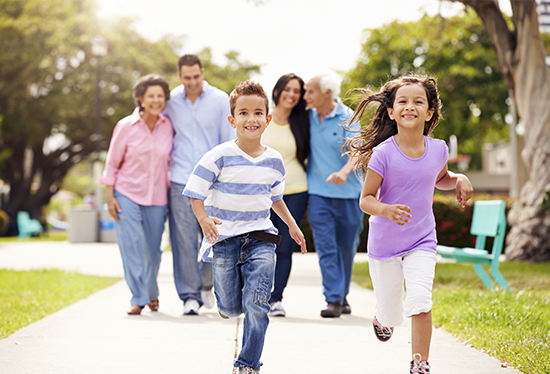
(382,127)
(298,119)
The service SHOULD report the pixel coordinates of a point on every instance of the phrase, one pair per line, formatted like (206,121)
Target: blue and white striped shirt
(237,189)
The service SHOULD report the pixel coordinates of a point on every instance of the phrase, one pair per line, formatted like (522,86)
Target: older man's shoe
(346,309)
(333,310)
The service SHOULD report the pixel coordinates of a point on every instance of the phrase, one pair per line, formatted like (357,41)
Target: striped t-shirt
(237,189)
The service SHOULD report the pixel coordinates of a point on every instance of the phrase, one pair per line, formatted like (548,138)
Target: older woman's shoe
(135,310)
(154,305)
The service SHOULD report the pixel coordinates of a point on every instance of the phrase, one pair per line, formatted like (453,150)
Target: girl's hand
(464,190)
(298,236)
(209,229)
(398,213)
(113,206)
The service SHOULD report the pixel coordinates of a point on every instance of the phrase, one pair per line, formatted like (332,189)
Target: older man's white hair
(329,82)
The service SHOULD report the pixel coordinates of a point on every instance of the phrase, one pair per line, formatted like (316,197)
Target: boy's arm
(369,204)
(208,224)
(282,211)
(447,180)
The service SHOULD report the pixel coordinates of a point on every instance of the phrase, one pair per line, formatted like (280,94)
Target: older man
(334,190)
(198,112)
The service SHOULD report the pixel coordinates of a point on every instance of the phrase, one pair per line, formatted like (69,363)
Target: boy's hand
(398,213)
(209,229)
(298,236)
(464,190)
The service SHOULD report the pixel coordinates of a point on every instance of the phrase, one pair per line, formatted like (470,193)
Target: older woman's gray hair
(329,82)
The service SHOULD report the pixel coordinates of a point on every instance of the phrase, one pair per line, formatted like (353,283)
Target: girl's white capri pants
(416,270)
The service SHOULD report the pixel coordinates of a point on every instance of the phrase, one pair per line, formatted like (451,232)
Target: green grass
(513,326)
(50,236)
(27,296)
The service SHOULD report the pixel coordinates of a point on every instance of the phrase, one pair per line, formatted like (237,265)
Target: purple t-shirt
(410,182)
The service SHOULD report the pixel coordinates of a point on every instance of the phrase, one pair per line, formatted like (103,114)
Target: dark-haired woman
(136,179)
(288,133)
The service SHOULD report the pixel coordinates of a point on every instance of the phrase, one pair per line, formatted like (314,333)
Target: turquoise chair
(488,220)
(27,226)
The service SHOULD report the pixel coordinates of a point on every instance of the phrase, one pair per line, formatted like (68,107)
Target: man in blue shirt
(334,191)
(198,112)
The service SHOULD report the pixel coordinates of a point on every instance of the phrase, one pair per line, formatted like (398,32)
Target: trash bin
(83,225)
(106,227)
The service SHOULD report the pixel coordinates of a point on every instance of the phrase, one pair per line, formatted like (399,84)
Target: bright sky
(306,37)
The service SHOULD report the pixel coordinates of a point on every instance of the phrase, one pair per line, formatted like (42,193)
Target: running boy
(403,165)
(232,189)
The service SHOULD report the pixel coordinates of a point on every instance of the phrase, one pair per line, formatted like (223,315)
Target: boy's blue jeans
(243,274)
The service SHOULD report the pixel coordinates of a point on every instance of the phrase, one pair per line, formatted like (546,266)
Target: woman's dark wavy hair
(298,119)
(147,81)
(381,127)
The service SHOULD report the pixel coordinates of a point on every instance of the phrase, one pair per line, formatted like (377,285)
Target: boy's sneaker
(382,333)
(248,370)
(277,310)
(191,307)
(418,366)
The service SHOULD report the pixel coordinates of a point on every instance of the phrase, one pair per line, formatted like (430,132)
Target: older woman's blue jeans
(243,275)
(138,234)
(297,205)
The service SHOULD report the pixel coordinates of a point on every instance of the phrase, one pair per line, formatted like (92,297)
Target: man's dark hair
(189,60)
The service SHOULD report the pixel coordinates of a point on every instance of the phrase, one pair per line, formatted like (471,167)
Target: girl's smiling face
(410,107)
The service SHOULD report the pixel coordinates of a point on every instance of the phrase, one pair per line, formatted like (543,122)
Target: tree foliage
(48,84)
(459,53)
(226,77)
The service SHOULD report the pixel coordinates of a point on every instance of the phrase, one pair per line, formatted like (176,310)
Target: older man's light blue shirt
(198,127)
(327,139)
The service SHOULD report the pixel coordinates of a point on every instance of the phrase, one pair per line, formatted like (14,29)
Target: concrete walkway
(96,336)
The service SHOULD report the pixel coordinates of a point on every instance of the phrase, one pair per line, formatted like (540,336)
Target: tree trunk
(522,61)
(24,168)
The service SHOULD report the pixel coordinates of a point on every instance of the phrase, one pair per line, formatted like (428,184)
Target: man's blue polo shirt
(327,138)
(198,127)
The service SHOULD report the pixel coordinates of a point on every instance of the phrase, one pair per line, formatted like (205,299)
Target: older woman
(288,133)
(136,179)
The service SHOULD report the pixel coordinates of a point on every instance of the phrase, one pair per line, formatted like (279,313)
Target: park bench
(27,226)
(488,220)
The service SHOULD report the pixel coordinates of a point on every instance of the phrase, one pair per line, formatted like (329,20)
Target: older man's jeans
(336,225)
(138,233)
(190,276)
(243,274)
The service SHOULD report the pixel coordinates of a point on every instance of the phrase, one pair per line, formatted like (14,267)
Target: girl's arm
(208,225)
(282,211)
(369,204)
(447,180)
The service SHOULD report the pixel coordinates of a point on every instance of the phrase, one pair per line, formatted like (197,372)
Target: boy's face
(250,117)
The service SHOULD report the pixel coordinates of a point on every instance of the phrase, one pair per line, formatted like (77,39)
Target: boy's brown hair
(247,88)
